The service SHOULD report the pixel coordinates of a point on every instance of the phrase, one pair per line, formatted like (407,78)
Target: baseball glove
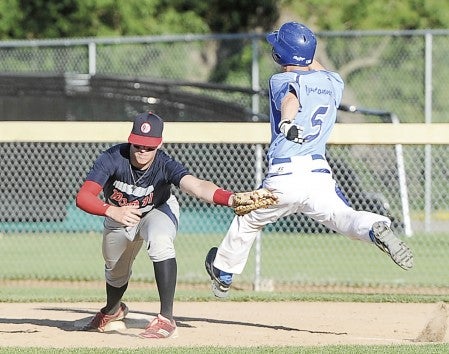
(245,202)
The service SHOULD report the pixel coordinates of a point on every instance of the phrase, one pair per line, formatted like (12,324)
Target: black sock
(165,273)
(113,297)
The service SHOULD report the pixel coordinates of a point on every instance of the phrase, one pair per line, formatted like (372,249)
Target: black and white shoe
(221,281)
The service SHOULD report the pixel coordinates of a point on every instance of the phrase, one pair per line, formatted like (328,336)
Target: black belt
(278,160)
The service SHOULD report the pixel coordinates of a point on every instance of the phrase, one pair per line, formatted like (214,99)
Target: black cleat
(219,287)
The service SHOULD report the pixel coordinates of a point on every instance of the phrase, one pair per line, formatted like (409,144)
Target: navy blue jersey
(125,185)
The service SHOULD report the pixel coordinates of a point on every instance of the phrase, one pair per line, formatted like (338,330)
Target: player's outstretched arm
(204,190)
(242,202)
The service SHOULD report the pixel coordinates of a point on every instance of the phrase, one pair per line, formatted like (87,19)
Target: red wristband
(221,197)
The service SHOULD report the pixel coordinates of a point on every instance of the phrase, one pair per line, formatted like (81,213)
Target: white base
(132,320)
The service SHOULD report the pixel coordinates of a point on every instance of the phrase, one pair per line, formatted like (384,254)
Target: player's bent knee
(161,254)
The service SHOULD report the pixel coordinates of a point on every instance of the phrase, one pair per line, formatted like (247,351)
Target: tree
(232,16)
(23,19)
(345,15)
(38,19)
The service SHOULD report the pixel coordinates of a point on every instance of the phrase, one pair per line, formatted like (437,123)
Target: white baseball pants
(303,184)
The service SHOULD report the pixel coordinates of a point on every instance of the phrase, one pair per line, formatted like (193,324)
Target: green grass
(88,292)
(293,262)
(287,259)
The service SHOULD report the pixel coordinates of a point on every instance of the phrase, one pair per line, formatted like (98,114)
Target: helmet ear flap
(276,57)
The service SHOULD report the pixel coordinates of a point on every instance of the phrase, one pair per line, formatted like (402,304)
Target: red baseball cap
(147,130)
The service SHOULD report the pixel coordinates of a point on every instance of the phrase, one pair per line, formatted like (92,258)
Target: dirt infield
(227,324)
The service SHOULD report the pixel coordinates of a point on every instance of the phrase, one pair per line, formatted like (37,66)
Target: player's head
(293,44)
(147,130)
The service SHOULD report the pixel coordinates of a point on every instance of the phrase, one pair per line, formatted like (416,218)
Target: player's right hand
(128,215)
(292,131)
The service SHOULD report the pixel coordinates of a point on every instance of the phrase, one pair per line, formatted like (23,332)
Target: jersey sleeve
(87,199)
(174,171)
(102,169)
(280,85)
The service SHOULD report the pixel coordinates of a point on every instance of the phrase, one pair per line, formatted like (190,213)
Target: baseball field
(303,322)
(41,313)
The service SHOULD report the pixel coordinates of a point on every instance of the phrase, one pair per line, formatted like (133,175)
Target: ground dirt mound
(245,324)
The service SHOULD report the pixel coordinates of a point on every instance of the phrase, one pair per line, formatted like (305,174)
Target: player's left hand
(245,202)
(292,131)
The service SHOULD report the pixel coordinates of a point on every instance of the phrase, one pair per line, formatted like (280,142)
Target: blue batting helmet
(293,44)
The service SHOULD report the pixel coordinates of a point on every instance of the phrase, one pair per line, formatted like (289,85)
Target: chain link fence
(44,236)
(397,71)
(37,211)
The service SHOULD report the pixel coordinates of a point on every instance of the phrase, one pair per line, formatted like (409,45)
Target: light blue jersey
(299,174)
(319,94)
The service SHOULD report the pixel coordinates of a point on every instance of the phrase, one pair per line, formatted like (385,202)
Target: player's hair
(293,44)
